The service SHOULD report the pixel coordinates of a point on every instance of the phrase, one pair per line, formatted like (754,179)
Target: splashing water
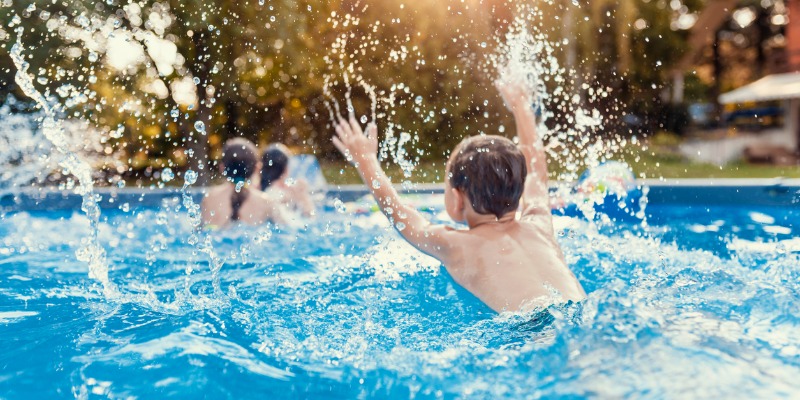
(526,55)
(21,159)
(25,154)
(574,136)
(198,238)
(340,62)
(331,311)
(91,252)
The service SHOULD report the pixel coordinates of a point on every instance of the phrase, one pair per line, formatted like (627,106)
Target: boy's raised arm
(361,149)
(535,197)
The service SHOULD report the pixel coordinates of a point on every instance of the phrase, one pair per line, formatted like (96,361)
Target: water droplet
(364,119)
(400,226)
(190,177)
(161,218)
(239,186)
(418,100)
(117,133)
(83,21)
(196,80)
(125,207)
(376,184)
(339,206)
(167,175)
(175,113)
(200,127)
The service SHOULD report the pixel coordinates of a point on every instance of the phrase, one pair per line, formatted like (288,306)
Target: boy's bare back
(514,265)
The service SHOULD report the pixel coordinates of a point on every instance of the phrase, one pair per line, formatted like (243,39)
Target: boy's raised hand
(354,143)
(360,147)
(518,100)
(514,95)
(535,198)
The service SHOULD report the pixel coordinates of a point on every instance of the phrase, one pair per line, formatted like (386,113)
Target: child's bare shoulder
(213,194)
(215,190)
(265,198)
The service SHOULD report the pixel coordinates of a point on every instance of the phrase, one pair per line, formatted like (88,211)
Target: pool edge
(756,192)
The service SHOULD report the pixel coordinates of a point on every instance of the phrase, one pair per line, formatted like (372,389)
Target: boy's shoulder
(525,228)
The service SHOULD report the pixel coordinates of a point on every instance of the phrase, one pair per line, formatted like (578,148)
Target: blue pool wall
(755,192)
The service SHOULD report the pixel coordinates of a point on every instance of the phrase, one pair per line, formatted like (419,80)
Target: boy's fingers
(341,123)
(372,130)
(339,145)
(339,132)
(346,128)
(355,125)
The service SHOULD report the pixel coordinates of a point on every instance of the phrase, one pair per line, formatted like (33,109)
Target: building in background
(775,94)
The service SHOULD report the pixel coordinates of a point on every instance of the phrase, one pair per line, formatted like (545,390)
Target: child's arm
(535,197)
(361,149)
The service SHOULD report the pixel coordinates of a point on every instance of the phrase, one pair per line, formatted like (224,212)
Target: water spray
(91,251)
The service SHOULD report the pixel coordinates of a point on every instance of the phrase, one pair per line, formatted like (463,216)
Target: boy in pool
(509,263)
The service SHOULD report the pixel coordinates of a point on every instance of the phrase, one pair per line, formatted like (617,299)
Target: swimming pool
(699,302)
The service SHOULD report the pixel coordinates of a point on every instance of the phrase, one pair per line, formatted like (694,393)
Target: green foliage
(265,70)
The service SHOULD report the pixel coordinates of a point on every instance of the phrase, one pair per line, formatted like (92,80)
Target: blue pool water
(700,302)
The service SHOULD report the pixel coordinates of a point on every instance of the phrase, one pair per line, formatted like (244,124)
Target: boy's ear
(459,197)
(457,205)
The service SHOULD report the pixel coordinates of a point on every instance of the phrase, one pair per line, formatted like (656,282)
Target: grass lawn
(654,163)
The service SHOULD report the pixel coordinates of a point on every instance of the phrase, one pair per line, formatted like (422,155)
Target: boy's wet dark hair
(239,162)
(274,162)
(490,170)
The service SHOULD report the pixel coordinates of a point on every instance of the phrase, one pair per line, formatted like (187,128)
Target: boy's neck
(475,220)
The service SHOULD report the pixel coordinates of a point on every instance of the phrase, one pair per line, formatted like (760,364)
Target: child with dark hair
(234,200)
(510,263)
(274,180)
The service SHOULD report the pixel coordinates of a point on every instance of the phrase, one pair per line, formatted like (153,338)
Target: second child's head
(274,164)
(486,173)
(239,160)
